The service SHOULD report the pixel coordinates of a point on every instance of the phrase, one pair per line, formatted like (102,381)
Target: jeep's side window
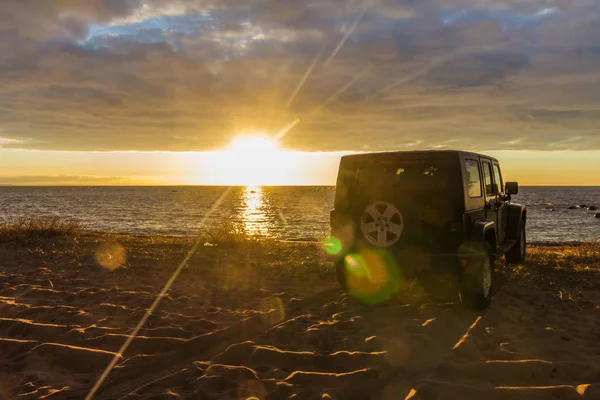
(473,178)
(487,177)
(498,178)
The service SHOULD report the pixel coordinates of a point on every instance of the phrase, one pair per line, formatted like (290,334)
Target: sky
(151,92)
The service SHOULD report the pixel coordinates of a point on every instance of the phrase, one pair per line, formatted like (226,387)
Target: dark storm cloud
(189,75)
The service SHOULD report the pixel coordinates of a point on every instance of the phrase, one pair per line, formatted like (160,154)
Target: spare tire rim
(487,276)
(382,224)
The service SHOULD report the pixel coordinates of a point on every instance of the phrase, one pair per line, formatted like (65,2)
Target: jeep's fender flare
(517,215)
(480,229)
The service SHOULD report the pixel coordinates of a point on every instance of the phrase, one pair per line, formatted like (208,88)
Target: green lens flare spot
(332,245)
(355,266)
(372,276)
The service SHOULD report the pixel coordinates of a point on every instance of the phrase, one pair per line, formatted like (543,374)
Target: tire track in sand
(128,380)
(326,344)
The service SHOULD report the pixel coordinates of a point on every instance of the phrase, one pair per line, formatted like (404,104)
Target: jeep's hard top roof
(416,154)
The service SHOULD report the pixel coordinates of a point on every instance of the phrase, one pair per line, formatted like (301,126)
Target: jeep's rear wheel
(476,282)
(516,255)
(340,271)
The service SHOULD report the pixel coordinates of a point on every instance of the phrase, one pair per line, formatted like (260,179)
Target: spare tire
(381,224)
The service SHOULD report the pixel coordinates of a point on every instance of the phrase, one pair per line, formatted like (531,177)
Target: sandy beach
(267,320)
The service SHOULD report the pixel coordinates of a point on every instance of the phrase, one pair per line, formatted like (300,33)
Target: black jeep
(403,215)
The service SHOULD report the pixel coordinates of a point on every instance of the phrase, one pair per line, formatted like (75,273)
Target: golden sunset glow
(280,166)
(252,160)
(243,145)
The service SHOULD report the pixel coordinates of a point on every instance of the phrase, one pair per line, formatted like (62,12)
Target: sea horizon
(244,186)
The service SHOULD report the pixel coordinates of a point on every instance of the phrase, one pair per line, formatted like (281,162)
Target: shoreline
(87,232)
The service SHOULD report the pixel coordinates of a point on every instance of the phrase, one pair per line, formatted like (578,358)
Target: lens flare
(332,245)
(274,310)
(355,266)
(111,255)
(372,276)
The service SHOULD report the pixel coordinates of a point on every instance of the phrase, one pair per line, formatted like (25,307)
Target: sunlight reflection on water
(253,212)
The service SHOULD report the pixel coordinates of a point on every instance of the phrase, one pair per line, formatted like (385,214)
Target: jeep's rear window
(414,177)
(473,178)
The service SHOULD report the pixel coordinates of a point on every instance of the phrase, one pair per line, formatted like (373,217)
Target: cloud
(8,141)
(190,75)
(63,180)
(476,69)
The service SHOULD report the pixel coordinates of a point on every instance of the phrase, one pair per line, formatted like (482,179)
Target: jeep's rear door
(502,210)
(493,206)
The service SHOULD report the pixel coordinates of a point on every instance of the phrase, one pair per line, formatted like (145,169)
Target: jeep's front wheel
(516,254)
(477,280)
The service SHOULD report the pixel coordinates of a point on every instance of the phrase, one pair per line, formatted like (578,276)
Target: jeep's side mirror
(512,188)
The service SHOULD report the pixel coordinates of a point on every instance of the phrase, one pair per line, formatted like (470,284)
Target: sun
(252,160)
(256,144)
(259,160)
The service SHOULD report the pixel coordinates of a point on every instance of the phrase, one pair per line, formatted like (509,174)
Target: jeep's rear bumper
(411,264)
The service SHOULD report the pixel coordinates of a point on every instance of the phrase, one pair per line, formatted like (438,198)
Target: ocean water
(289,213)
